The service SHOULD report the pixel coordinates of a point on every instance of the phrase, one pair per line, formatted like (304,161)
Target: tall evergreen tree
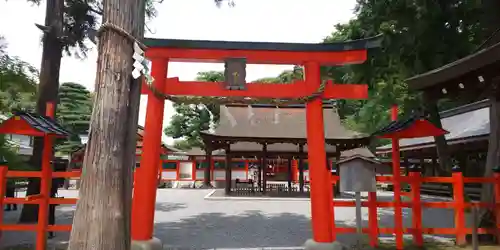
(75,109)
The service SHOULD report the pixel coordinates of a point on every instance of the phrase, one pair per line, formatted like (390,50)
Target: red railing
(43,201)
(417,230)
(414,180)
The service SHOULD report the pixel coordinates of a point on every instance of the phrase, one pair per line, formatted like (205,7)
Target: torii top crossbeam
(338,53)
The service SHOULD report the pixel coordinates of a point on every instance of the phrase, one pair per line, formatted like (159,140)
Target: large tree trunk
(105,195)
(491,20)
(130,157)
(492,159)
(47,92)
(133,117)
(440,141)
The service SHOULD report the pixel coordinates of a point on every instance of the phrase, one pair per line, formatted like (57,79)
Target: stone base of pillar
(152,244)
(313,245)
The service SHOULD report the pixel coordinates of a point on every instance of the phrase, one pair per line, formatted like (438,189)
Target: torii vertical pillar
(320,178)
(144,199)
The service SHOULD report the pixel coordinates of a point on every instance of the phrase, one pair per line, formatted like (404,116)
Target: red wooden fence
(373,230)
(42,201)
(417,230)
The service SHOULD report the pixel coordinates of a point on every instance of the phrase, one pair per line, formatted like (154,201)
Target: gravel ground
(185,219)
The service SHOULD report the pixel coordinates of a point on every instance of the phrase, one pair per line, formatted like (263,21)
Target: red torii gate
(311,56)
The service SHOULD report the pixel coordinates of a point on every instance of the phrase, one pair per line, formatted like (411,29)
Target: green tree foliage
(75,109)
(189,119)
(417,38)
(81,18)
(18,82)
(286,76)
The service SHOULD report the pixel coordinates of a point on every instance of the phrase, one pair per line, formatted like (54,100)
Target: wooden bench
(277,187)
(244,185)
(439,189)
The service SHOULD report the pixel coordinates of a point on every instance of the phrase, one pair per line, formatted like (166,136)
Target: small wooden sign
(235,73)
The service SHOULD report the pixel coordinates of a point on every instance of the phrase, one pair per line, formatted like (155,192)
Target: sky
(302,21)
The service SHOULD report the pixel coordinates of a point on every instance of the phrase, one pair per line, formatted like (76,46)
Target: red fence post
(458,197)
(193,171)
(3,182)
(373,219)
(336,181)
(415,178)
(45,185)
(396,183)
(496,175)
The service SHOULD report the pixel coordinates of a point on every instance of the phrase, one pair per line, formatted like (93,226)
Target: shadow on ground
(169,206)
(237,228)
(252,229)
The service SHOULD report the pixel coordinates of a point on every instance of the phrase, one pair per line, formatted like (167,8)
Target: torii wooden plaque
(235,73)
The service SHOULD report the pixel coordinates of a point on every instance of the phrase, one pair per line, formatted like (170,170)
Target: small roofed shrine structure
(265,132)
(469,128)
(414,126)
(29,124)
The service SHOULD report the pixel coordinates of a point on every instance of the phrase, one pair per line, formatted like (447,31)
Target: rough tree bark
(492,159)
(491,20)
(47,91)
(444,168)
(105,194)
(133,117)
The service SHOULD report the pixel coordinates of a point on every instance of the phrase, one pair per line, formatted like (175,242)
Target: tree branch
(97,11)
(43,28)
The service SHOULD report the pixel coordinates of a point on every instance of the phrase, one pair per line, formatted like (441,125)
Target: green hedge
(306,165)
(220,164)
(201,165)
(169,165)
(238,164)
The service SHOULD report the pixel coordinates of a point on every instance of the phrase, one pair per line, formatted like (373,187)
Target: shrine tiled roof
(281,128)
(457,69)
(24,123)
(44,124)
(398,126)
(265,122)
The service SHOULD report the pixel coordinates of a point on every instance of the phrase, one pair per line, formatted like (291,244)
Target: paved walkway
(185,219)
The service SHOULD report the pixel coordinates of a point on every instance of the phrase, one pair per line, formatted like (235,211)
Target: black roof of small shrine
(399,125)
(360,44)
(43,124)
